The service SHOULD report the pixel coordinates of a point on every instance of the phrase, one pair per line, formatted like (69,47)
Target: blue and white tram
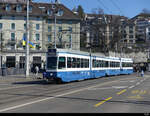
(66,66)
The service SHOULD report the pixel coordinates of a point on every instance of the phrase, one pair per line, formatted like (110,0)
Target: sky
(128,8)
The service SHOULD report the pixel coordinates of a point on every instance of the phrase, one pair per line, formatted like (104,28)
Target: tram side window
(118,64)
(74,63)
(82,63)
(103,65)
(78,62)
(94,63)
(99,63)
(110,64)
(106,63)
(62,63)
(68,62)
(87,63)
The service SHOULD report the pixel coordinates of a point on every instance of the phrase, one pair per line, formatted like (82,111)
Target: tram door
(36,62)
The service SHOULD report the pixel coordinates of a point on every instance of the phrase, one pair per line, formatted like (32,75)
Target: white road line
(141,81)
(138,83)
(112,87)
(131,87)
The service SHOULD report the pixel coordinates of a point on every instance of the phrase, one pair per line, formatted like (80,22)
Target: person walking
(37,70)
(142,73)
(138,71)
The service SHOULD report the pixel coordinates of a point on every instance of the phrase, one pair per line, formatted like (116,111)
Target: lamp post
(1,49)
(55,10)
(55,29)
(27,41)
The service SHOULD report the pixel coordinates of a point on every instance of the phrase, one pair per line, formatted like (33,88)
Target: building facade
(41,31)
(128,32)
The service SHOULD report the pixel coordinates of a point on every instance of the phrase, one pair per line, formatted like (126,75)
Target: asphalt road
(117,94)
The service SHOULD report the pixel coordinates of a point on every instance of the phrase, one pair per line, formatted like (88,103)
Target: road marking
(131,87)
(141,81)
(127,81)
(121,92)
(112,87)
(135,97)
(138,83)
(100,103)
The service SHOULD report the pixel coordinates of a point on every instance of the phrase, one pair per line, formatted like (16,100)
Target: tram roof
(87,54)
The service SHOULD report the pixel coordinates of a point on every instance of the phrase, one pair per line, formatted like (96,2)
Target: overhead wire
(114,3)
(106,8)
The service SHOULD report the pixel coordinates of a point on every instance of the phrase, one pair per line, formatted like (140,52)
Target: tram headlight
(51,74)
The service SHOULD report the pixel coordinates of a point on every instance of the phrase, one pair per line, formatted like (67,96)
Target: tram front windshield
(52,63)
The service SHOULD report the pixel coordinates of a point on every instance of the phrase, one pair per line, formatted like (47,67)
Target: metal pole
(55,30)
(27,39)
(1,50)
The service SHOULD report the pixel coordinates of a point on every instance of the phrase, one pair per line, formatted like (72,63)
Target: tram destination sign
(51,51)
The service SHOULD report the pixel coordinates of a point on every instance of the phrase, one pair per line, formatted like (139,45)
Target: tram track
(27,94)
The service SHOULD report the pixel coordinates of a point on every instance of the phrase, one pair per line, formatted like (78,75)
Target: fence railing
(11,71)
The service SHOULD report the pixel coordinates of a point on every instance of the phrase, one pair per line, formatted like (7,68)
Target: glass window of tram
(51,63)
(62,63)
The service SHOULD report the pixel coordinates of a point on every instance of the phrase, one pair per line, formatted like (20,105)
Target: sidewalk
(19,78)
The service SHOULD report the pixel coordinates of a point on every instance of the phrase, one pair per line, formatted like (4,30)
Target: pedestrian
(36,71)
(138,71)
(142,73)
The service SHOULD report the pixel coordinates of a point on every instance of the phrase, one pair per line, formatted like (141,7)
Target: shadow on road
(42,82)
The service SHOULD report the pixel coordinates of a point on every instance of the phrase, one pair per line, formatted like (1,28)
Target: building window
(13,17)
(30,8)
(49,38)
(59,29)
(38,46)
(0,17)
(131,31)
(70,29)
(37,37)
(49,28)
(12,36)
(59,22)
(37,61)
(70,40)
(60,13)
(49,12)
(1,25)
(131,41)
(10,61)
(37,26)
(25,26)
(38,18)
(25,18)
(49,21)
(13,26)
(131,27)
(130,36)
(69,22)
(18,8)
(22,62)
(7,8)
